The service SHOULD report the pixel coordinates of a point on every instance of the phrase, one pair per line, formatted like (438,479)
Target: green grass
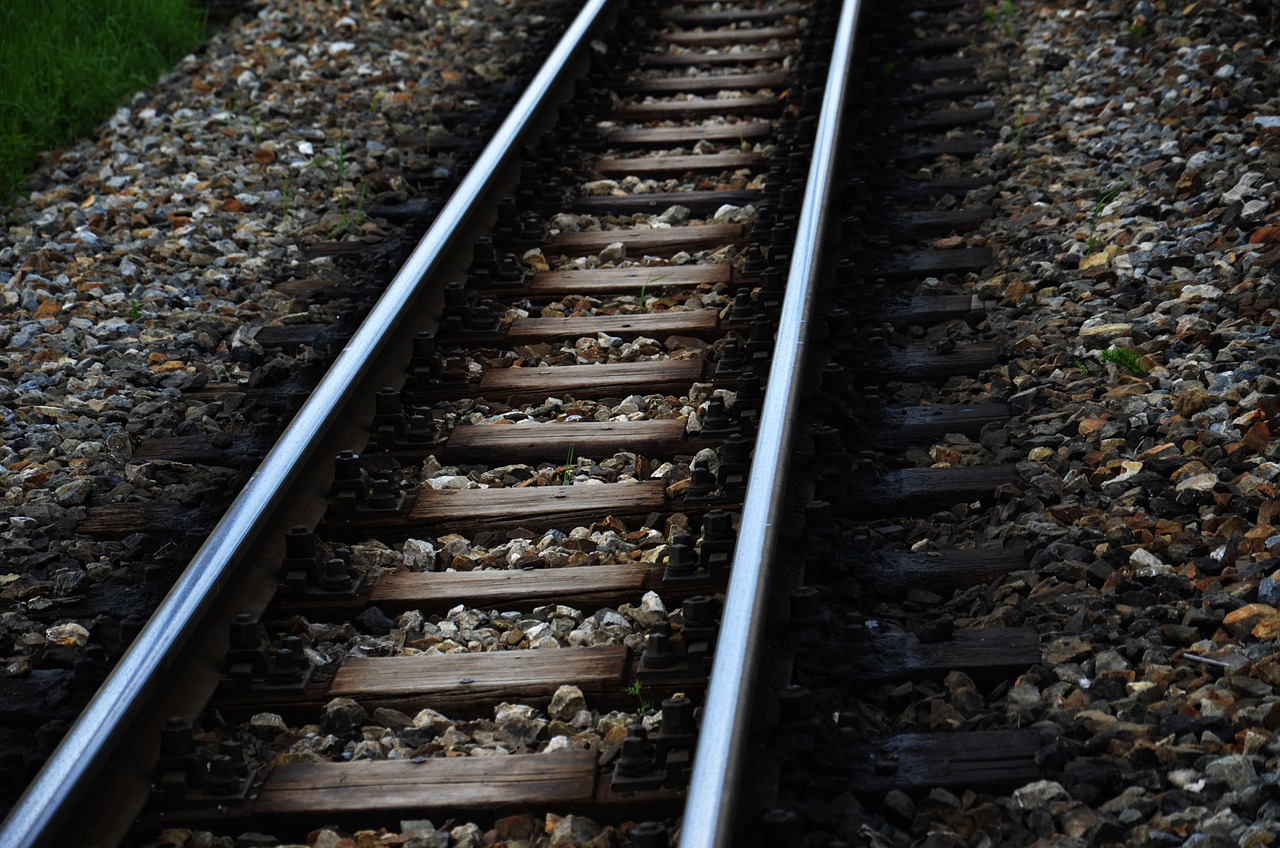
(1126,358)
(67,64)
(1101,204)
(636,691)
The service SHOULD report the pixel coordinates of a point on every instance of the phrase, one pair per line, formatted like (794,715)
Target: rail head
(73,790)
(714,791)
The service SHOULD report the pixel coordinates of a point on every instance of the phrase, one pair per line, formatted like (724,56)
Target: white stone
(1039,794)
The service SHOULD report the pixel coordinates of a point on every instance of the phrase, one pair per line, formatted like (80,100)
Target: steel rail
(710,813)
(72,783)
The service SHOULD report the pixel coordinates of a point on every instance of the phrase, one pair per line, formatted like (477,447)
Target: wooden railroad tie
(979,760)
(935,263)
(946,91)
(729,37)
(676,110)
(662,137)
(590,586)
(701,204)
(946,119)
(713,58)
(903,426)
(921,491)
(1003,652)
(535,442)
(296,795)
(923,363)
(581,381)
(939,69)
(959,148)
(707,84)
(893,574)
(666,166)
(649,242)
(725,17)
(467,684)
(657,325)
(624,281)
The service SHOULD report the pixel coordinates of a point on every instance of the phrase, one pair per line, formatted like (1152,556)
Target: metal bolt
(384,494)
(734,450)
(482,251)
(715,418)
(771,282)
(749,389)
(743,306)
(221,778)
(424,345)
(455,295)
(717,525)
(635,758)
(657,651)
(419,429)
(176,738)
(233,749)
(387,401)
(701,481)
(677,716)
(681,561)
(346,466)
(649,835)
(244,632)
(730,355)
(287,667)
(698,611)
(510,271)
(335,576)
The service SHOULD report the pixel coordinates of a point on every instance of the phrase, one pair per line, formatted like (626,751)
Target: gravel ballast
(1136,242)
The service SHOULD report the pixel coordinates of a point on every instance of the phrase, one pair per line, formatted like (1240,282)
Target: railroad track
(516,553)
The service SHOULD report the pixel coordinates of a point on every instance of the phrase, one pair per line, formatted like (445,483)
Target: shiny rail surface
(70,801)
(710,816)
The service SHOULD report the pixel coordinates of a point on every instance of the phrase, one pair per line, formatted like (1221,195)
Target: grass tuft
(1126,358)
(1098,206)
(67,64)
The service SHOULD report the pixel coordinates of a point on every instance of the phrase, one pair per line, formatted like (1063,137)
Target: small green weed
(645,286)
(634,690)
(334,169)
(1127,358)
(567,476)
(379,100)
(1097,212)
(350,221)
(135,311)
(1081,367)
(1002,14)
(887,69)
